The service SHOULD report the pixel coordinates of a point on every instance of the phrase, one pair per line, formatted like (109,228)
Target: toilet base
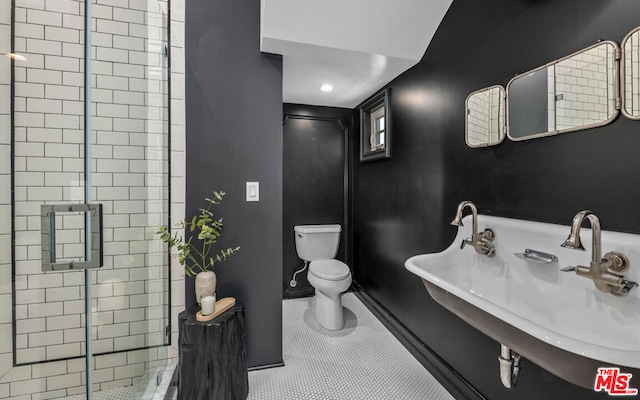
(328,310)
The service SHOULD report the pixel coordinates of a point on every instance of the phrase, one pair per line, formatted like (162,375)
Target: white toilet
(318,244)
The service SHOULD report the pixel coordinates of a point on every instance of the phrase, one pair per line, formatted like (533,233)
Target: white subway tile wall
(129,176)
(483,127)
(6,344)
(477,118)
(632,86)
(585,83)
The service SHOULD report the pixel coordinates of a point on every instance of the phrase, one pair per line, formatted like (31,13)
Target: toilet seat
(332,270)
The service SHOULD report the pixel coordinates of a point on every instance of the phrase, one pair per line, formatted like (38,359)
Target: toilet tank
(317,242)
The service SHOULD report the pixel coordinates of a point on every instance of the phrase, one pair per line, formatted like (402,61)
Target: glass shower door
(45,160)
(130,178)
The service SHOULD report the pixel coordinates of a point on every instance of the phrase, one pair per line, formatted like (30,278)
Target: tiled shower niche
(129,177)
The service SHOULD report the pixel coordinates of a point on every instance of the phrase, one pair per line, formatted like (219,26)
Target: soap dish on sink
(537,256)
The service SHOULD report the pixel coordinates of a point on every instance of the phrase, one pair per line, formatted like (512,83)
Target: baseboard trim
(266,366)
(447,376)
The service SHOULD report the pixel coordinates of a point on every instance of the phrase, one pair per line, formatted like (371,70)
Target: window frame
(370,111)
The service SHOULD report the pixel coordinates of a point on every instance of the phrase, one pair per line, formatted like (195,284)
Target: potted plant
(195,253)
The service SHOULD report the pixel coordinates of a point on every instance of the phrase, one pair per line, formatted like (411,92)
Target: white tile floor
(362,361)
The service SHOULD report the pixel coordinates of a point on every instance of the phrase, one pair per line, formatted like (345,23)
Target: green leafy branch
(196,259)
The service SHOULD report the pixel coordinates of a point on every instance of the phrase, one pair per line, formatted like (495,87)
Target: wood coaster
(222,305)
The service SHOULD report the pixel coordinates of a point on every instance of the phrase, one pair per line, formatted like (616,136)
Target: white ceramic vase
(205,285)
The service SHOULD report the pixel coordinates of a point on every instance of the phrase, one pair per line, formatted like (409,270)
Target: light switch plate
(253,191)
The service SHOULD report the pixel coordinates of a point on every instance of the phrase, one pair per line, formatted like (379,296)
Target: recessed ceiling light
(326,87)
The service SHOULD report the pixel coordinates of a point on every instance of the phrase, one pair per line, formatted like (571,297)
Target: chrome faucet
(482,242)
(605,272)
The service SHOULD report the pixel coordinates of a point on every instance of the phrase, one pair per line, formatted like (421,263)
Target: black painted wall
(315,179)
(234,135)
(403,206)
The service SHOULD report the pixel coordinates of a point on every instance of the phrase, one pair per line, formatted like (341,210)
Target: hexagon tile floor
(363,361)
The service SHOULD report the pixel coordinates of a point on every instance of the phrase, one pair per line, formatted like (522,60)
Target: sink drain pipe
(509,366)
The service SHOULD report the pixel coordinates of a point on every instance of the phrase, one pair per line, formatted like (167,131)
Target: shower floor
(146,389)
(121,393)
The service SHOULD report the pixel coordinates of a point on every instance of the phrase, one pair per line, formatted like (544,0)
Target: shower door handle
(93,236)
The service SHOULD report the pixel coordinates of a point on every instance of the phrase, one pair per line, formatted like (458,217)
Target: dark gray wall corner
(234,135)
(403,205)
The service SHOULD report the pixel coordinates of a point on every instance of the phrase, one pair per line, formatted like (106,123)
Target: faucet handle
(490,251)
(488,234)
(618,262)
(627,287)
(569,269)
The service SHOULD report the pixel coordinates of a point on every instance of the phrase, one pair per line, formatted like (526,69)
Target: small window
(374,127)
(378,129)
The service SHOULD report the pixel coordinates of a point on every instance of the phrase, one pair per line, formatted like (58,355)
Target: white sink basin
(556,319)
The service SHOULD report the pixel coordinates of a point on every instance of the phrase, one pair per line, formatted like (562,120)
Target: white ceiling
(357,46)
